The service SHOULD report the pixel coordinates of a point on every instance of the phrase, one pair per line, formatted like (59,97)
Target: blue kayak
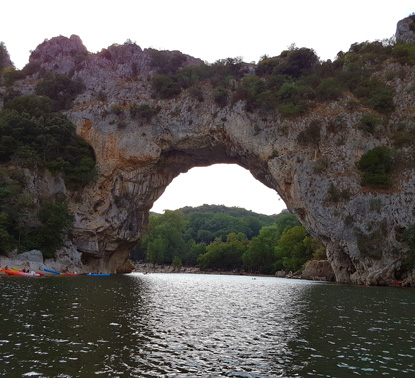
(51,271)
(98,274)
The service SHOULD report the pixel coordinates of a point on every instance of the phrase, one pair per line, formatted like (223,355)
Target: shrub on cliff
(33,137)
(377,165)
(329,89)
(165,86)
(166,62)
(25,226)
(310,135)
(55,221)
(61,89)
(144,112)
(220,96)
(404,53)
(371,123)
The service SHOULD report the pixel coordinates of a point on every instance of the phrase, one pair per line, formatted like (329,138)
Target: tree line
(227,239)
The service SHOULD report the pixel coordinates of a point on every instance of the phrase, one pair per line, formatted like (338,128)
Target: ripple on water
(203,326)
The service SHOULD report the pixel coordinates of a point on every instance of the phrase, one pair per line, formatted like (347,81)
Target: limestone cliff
(138,158)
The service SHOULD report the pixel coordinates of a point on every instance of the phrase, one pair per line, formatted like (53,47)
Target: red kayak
(21,274)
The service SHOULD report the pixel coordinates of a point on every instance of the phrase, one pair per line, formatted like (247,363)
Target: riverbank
(147,268)
(33,261)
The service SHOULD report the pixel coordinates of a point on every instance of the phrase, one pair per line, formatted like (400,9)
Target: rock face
(318,270)
(138,158)
(405,30)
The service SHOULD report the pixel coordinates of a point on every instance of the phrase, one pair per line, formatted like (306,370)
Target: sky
(209,30)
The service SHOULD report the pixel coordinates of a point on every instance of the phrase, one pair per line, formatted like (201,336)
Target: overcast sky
(209,30)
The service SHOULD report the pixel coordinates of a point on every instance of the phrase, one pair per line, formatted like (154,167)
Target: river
(184,325)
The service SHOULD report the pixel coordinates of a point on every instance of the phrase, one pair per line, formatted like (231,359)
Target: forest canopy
(221,238)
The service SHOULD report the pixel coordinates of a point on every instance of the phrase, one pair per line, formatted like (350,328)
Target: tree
(224,255)
(55,222)
(164,237)
(260,255)
(294,249)
(177,263)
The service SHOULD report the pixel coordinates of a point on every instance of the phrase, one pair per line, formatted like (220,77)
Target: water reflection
(364,331)
(203,326)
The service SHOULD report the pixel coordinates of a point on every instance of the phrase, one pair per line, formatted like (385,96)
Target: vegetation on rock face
(377,165)
(61,89)
(290,82)
(144,112)
(35,137)
(220,238)
(23,224)
(4,55)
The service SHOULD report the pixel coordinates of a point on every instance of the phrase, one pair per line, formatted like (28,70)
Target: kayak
(98,274)
(11,272)
(19,270)
(69,274)
(51,271)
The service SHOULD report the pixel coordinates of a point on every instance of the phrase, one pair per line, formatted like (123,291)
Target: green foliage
(165,62)
(15,208)
(289,82)
(296,62)
(224,255)
(404,53)
(377,166)
(381,98)
(55,223)
(311,135)
(260,256)
(217,237)
(322,164)
(220,96)
(33,137)
(36,106)
(164,237)
(291,110)
(11,75)
(23,225)
(144,112)
(3,56)
(329,89)
(60,89)
(404,135)
(165,86)
(294,249)
(371,123)
(197,93)
(177,263)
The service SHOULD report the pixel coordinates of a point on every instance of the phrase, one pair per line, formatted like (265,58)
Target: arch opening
(219,184)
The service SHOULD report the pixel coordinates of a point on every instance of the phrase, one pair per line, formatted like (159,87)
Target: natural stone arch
(134,176)
(137,159)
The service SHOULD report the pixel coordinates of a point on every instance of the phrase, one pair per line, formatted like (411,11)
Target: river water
(183,325)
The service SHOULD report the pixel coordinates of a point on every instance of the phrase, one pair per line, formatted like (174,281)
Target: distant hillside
(237,212)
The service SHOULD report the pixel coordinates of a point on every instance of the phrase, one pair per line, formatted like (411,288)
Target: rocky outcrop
(405,30)
(138,158)
(318,270)
(5,61)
